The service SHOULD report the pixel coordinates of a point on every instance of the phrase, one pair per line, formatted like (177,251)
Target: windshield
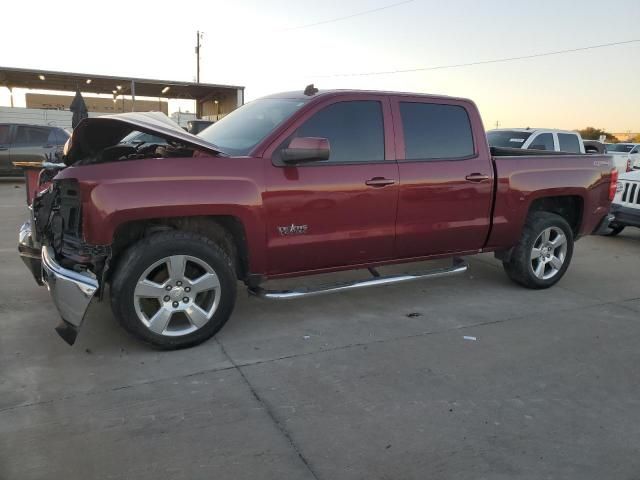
(244,128)
(619,147)
(507,138)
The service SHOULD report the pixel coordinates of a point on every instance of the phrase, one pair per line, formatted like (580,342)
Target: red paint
(357,214)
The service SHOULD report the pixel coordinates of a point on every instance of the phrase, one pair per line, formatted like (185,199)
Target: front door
(340,211)
(446,177)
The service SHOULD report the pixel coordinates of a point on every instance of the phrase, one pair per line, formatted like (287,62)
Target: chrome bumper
(71,293)
(30,253)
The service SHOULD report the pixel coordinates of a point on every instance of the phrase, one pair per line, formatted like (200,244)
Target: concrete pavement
(375,384)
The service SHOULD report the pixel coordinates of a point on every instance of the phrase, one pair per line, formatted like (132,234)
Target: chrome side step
(458,266)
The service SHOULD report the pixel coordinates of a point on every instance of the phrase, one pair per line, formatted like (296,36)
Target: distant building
(95,104)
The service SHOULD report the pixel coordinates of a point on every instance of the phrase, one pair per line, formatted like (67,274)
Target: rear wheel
(174,289)
(544,252)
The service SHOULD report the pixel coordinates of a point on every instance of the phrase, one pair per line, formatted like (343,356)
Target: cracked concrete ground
(375,384)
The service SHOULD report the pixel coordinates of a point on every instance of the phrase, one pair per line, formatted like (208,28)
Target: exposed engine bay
(131,136)
(57,207)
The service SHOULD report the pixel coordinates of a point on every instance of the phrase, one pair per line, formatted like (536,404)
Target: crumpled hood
(96,133)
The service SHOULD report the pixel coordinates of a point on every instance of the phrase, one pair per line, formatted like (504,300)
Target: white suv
(627,152)
(626,204)
(536,139)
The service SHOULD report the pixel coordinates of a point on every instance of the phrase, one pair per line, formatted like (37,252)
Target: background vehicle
(297,184)
(594,146)
(196,126)
(28,143)
(536,139)
(626,204)
(627,154)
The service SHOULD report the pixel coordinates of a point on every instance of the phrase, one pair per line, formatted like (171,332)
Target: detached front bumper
(70,291)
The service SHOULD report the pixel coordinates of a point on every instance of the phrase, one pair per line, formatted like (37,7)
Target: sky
(268,46)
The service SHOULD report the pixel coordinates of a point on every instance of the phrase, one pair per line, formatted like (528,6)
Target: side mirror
(306,149)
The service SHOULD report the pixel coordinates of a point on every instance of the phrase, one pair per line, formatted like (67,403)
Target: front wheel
(544,252)
(174,289)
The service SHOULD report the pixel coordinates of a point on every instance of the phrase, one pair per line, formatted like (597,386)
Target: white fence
(38,116)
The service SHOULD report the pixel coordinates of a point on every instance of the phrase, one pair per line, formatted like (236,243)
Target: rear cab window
(434,131)
(507,138)
(569,143)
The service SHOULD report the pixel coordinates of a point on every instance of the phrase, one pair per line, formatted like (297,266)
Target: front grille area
(631,193)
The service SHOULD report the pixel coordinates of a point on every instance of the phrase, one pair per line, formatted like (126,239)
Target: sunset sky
(268,46)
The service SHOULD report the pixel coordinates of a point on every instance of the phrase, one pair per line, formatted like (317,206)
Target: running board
(458,266)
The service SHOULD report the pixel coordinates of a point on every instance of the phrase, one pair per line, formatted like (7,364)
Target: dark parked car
(196,126)
(28,143)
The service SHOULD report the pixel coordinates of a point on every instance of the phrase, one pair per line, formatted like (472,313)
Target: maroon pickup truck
(289,185)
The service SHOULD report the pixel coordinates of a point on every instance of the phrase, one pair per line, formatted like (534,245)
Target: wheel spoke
(148,289)
(159,322)
(197,316)
(556,262)
(559,240)
(208,281)
(545,235)
(539,270)
(536,253)
(176,265)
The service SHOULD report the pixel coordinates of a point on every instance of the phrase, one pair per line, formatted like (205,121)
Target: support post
(133,96)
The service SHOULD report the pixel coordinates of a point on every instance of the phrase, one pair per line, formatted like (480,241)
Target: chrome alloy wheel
(177,295)
(548,253)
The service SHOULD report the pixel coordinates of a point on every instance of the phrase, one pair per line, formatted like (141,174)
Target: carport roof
(106,84)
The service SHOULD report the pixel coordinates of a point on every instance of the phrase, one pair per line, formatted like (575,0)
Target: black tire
(143,254)
(519,266)
(613,230)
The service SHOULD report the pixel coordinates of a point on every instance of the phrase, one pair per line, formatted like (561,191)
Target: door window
(5,130)
(569,143)
(544,141)
(434,132)
(29,136)
(355,131)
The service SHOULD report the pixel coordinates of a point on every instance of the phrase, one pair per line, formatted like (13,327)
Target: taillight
(613,184)
(628,165)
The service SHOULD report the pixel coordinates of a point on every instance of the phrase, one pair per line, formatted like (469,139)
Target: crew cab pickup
(289,185)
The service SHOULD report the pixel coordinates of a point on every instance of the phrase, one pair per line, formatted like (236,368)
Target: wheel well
(568,207)
(226,231)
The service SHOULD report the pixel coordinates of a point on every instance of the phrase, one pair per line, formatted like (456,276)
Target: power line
(483,62)
(338,19)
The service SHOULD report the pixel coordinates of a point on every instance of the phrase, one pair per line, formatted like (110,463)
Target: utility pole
(198,36)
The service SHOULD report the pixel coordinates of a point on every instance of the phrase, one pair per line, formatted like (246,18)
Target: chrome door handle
(477,177)
(379,182)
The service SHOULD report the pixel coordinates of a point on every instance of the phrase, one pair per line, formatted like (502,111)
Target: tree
(591,133)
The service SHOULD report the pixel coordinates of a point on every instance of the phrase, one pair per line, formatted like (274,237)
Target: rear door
(446,177)
(5,145)
(340,211)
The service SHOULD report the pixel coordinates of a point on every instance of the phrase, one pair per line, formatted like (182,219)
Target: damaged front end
(51,246)
(51,242)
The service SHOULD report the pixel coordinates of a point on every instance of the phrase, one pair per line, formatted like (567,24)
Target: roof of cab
(300,95)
